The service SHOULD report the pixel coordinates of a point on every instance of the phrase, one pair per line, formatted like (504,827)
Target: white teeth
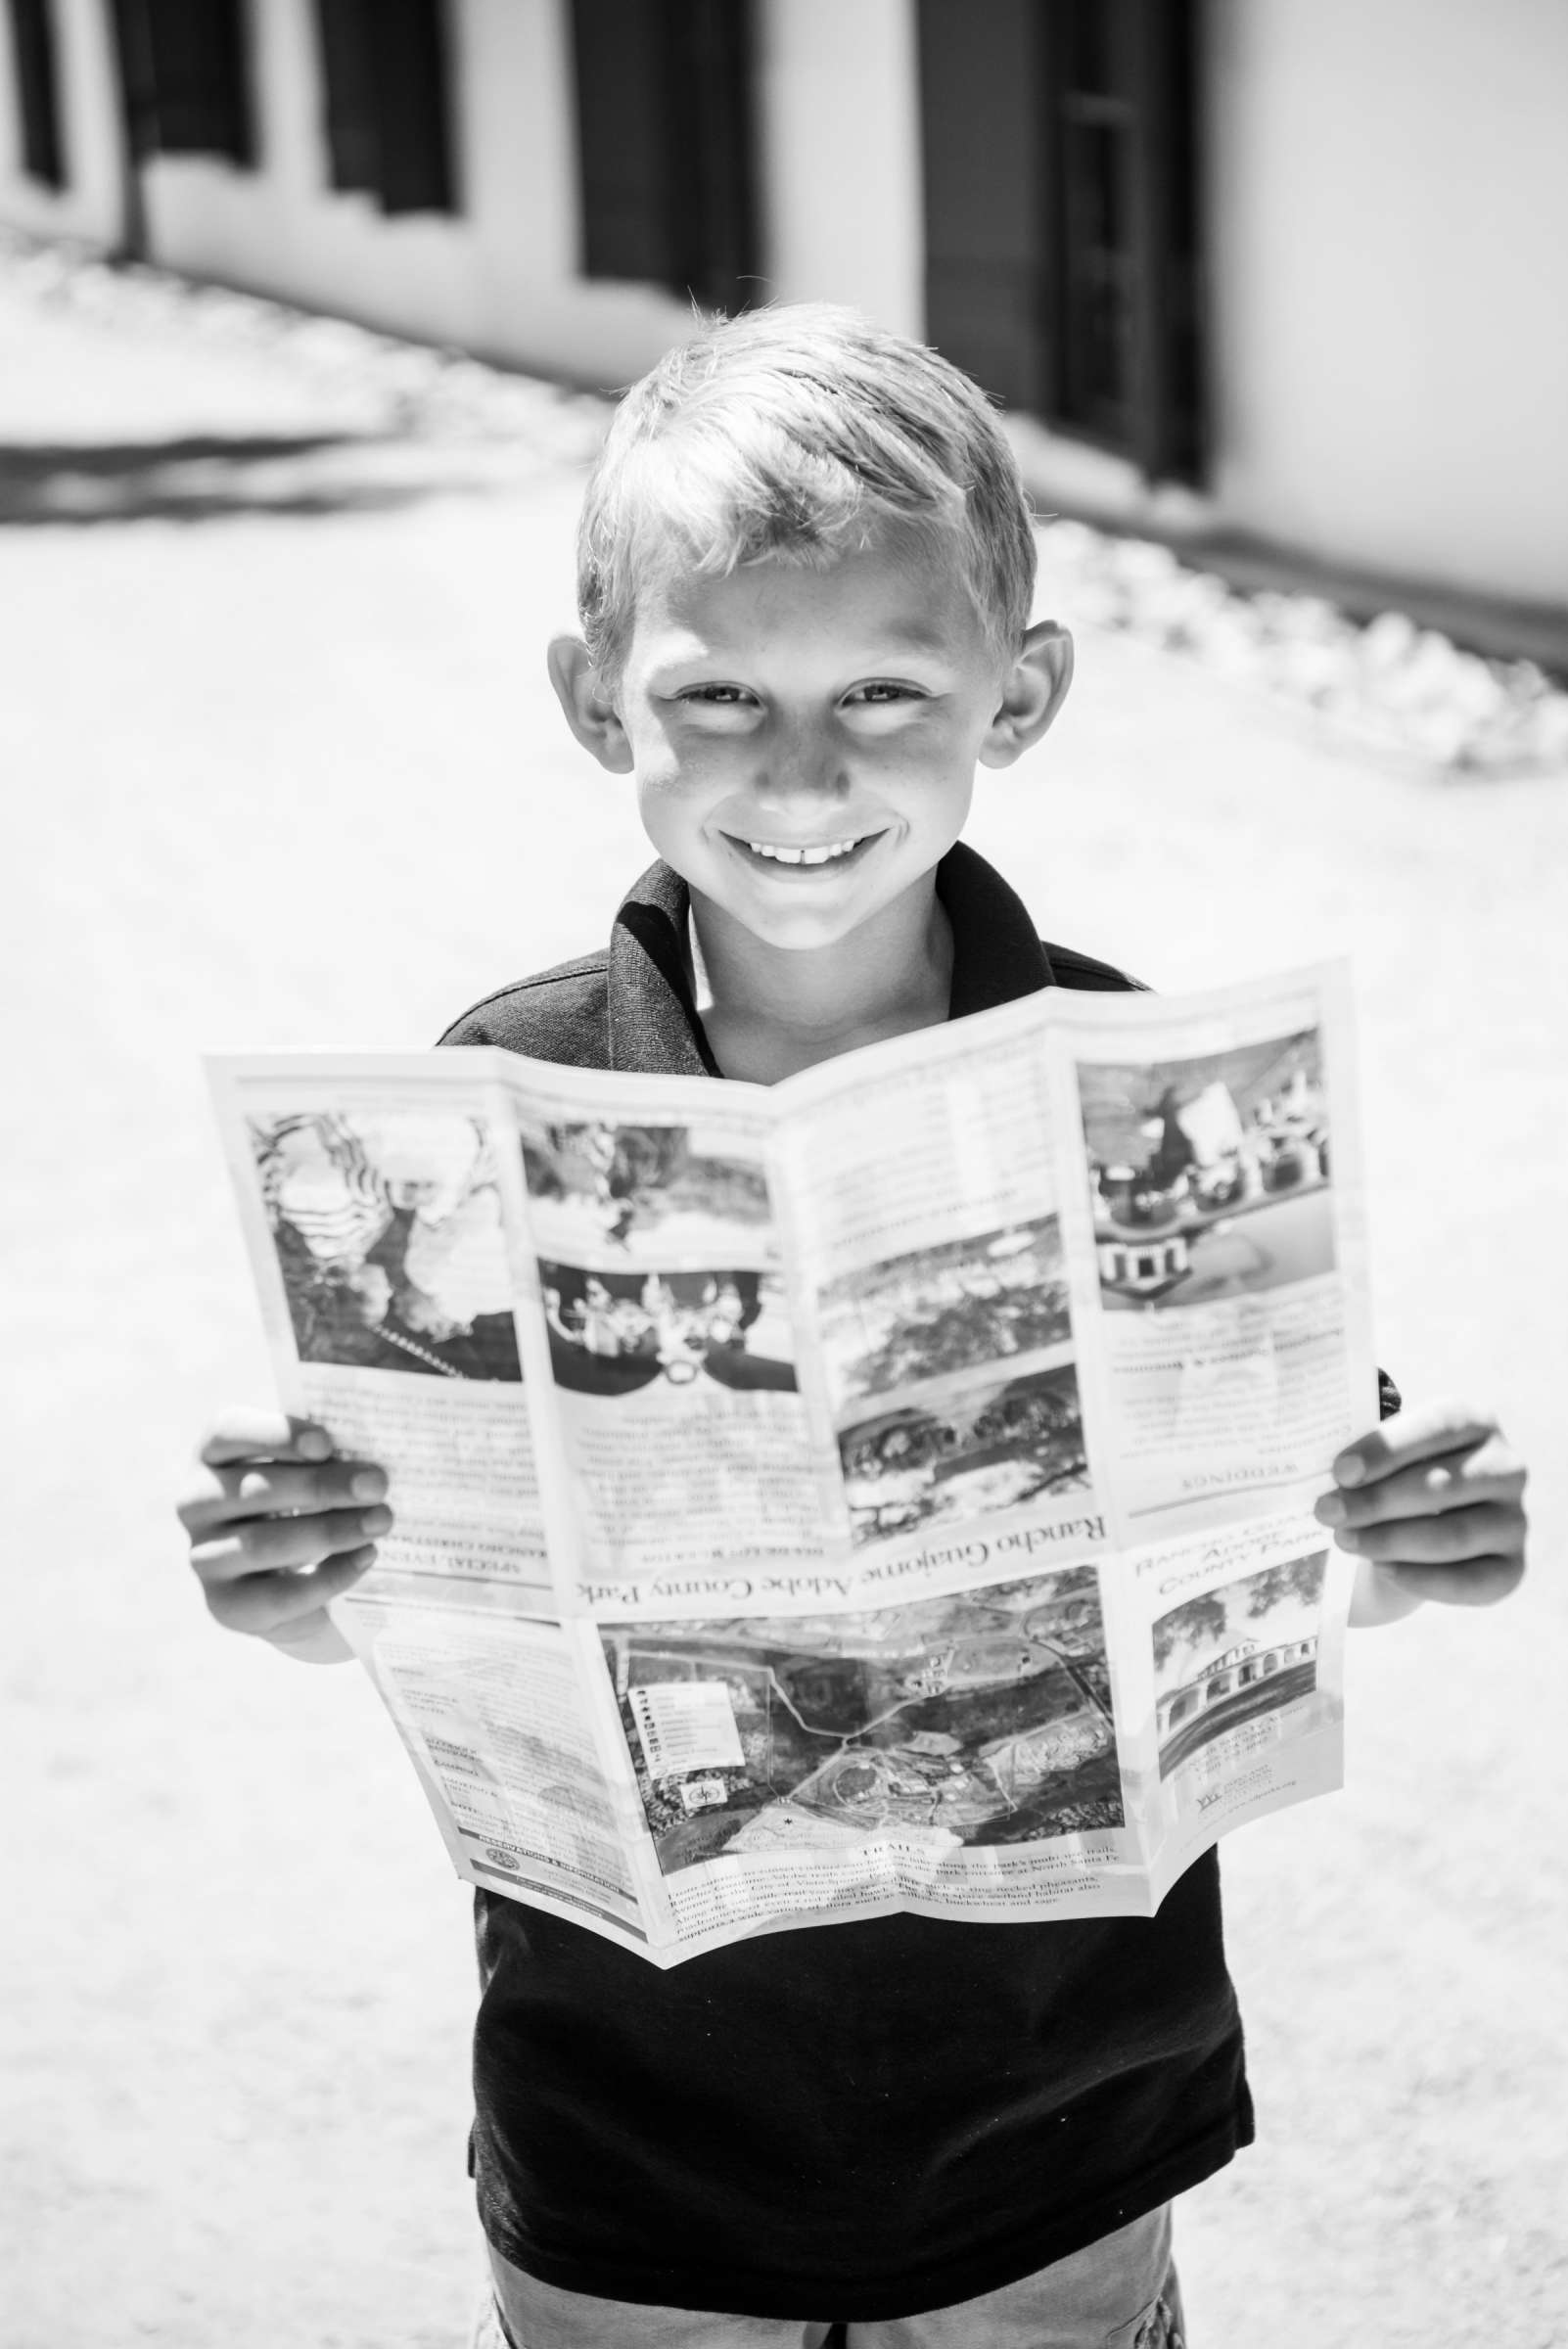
(834,848)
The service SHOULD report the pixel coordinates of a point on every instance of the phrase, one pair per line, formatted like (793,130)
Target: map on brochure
(887,1489)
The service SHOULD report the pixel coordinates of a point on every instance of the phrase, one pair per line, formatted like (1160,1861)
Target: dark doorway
(665,145)
(32,45)
(1061,178)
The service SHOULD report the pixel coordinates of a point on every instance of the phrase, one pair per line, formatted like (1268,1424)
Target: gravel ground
(285,772)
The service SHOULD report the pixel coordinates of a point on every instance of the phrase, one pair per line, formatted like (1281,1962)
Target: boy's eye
(881,693)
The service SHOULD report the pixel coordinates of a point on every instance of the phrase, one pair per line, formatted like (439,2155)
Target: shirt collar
(654,1026)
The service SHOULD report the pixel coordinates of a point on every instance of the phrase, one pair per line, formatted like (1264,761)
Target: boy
(806,568)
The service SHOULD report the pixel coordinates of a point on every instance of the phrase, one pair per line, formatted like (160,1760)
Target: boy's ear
(589,710)
(1033,691)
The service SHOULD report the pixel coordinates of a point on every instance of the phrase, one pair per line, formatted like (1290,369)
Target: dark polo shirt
(854,2121)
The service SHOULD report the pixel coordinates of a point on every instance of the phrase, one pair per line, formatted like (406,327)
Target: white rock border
(1390,684)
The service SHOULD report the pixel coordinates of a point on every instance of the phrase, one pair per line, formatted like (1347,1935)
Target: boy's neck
(770,1011)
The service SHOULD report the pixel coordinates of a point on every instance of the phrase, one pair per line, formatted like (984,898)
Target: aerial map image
(969,1720)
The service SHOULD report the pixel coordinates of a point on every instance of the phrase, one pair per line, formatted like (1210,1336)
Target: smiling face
(804,741)
(804,744)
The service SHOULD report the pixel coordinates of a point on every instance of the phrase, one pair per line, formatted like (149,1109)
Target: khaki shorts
(1119,2293)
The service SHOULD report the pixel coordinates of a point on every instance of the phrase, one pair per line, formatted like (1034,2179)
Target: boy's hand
(278,1527)
(1431,1503)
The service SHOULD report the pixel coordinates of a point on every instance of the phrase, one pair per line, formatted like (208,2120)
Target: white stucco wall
(1387,218)
(1388,224)
(89,204)
(838,169)
(499,277)
(840,165)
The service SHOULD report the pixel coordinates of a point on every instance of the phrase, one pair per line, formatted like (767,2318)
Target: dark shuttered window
(32,49)
(348,94)
(665,145)
(386,76)
(185,75)
(986,193)
(1061,165)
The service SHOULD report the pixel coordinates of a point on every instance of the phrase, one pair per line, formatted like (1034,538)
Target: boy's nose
(803,768)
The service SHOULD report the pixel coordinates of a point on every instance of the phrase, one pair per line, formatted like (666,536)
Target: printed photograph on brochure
(963,1446)
(647,1194)
(978,1719)
(1236,1655)
(613,1333)
(387,1229)
(1208,1176)
(955,1305)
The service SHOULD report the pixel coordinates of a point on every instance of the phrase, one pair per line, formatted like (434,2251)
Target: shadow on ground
(210,477)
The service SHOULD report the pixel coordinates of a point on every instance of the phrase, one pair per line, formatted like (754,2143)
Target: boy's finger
(244,1434)
(264,1602)
(270,1488)
(1480,1583)
(261,1546)
(1493,1530)
(1453,1481)
(1415,1435)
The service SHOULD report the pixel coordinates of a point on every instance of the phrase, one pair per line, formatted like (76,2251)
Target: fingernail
(369,1485)
(1330,1510)
(1349,1469)
(1348,1537)
(315,1444)
(374,1521)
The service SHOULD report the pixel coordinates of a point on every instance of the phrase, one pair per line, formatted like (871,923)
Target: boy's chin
(803,915)
(796,929)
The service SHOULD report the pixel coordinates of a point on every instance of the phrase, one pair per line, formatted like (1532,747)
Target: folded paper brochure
(886,1490)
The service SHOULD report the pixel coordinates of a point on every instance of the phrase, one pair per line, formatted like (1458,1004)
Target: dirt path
(288,774)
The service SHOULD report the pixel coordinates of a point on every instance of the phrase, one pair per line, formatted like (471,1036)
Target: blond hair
(792,434)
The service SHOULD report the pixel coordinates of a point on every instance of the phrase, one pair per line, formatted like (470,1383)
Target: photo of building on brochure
(1233,1655)
(652,1195)
(1208,1176)
(386,1228)
(970,1719)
